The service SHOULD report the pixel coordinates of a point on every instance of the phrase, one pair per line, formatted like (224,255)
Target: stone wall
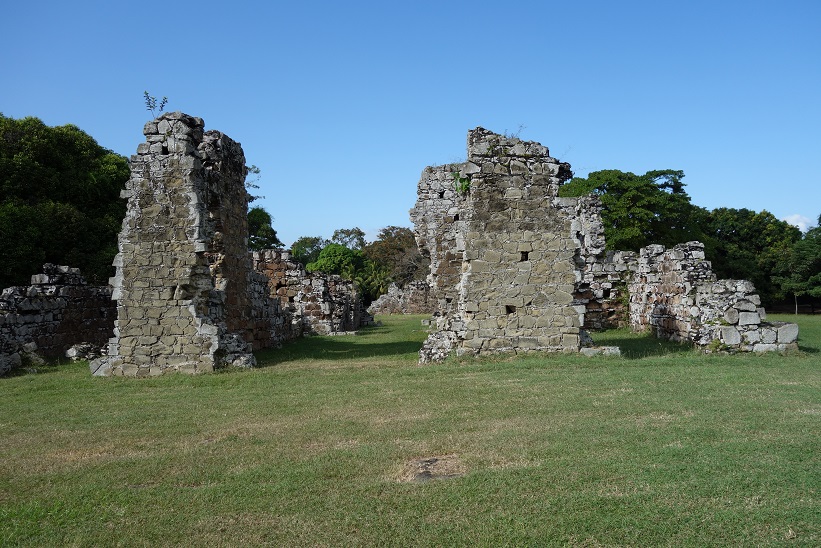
(47,318)
(182,283)
(675,294)
(310,303)
(505,254)
(414,298)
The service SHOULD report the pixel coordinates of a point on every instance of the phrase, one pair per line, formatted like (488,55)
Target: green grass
(662,446)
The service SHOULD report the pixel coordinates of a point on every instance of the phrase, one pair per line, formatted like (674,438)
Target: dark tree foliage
(638,210)
(261,235)
(800,272)
(744,244)
(307,248)
(59,200)
(396,251)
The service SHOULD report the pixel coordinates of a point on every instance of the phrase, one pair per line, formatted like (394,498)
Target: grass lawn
(662,446)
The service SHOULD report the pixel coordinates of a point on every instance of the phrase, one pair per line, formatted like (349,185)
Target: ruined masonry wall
(57,311)
(504,259)
(182,284)
(414,298)
(310,303)
(675,294)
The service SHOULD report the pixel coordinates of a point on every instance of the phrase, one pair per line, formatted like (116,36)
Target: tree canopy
(261,233)
(744,244)
(800,273)
(59,200)
(638,210)
(352,238)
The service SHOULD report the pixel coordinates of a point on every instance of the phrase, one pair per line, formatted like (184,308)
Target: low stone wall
(675,294)
(46,319)
(414,298)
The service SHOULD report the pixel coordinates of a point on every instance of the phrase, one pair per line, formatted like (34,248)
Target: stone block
(748,318)
(787,333)
(730,335)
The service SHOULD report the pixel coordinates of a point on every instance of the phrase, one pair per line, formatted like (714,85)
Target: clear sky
(342,104)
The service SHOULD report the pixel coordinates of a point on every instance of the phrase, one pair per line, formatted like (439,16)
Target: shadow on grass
(639,346)
(338,349)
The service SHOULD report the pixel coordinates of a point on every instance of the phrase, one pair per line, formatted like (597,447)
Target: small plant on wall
(151,104)
(460,184)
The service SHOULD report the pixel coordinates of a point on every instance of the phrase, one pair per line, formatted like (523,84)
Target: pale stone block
(748,318)
(730,335)
(787,333)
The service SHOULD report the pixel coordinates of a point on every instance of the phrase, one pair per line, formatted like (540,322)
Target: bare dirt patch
(432,468)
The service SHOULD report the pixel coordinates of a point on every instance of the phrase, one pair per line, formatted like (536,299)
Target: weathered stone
(492,259)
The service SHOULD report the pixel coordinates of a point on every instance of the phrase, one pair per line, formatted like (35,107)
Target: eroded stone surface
(505,256)
(181,287)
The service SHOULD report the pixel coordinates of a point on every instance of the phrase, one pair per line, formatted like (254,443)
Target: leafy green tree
(638,210)
(307,248)
(744,244)
(800,273)
(338,259)
(396,251)
(59,200)
(261,235)
(352,238)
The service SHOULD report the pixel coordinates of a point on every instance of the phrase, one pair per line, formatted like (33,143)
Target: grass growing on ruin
(660,446)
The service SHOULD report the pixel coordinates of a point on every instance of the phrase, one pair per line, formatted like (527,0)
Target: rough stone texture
(414,298)
(307,303)
(505,254)
(675,294)
(182,283)
(45,319)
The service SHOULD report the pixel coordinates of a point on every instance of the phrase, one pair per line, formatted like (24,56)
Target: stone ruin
(675,294)
(57,311)
(310,303)
(504,250)
(414,298)
(189,295)
(515,268)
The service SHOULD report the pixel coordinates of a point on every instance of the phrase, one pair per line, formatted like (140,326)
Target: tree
(744,244)
(800,274)
(307,248)
(338,259)
(352,238)
(59,200)
(638,210)
(396,251)
(261,235)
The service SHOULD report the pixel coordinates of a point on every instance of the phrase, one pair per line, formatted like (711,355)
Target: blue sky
(342,104)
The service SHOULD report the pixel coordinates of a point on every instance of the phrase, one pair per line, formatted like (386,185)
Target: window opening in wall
(441,193)
(456,217)
(510,309)
(525,256)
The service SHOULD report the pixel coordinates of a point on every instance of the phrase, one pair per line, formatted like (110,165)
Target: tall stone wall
(182,284)
(675,294)
(505,254)
(56,312)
